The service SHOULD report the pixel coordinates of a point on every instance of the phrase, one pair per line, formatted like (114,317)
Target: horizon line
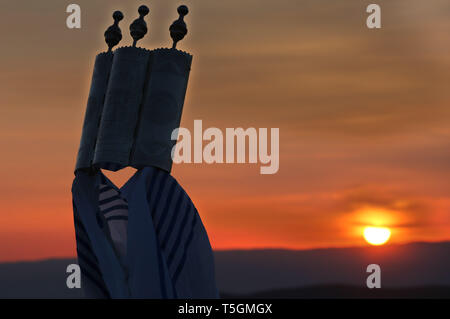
(50,258)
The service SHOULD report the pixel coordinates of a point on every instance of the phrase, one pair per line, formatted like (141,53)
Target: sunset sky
(364,118)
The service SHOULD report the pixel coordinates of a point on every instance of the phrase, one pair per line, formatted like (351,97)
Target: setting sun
(377,235)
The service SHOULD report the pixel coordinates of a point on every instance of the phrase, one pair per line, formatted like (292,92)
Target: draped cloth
(143,240)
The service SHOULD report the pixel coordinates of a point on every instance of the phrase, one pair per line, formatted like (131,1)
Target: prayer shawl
(144,240)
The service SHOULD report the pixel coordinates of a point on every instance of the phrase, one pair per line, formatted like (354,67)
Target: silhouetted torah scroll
(135,102)
(144,239)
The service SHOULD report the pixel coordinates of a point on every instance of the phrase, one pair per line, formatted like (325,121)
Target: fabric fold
(168,254)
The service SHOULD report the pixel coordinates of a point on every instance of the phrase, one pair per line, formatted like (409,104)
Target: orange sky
(363,115)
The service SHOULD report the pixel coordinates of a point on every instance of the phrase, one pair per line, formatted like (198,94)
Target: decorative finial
(139,28)
(113,35)
(178,28)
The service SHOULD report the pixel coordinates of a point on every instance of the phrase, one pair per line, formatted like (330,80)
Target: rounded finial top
(143,10)
(139,27)
(178,28)
(117,16)
(113,34)
(183,10)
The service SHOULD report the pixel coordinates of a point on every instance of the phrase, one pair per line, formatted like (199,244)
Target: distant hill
(42,279)
(418,270)
(409,265)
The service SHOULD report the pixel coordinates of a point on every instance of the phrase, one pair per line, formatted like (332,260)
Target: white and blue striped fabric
(144,240)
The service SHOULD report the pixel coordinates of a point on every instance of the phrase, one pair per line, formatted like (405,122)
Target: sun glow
(377,235)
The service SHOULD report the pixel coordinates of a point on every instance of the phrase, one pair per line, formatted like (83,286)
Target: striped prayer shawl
(144,240)
(114,209)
